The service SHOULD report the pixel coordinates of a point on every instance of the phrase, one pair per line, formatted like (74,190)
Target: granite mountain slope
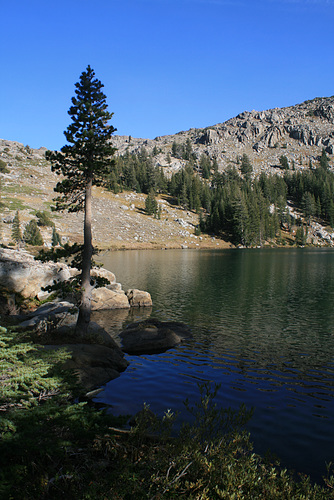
(298,132)
(119,221)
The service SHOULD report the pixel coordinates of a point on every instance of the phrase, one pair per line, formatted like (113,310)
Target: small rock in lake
(153,336)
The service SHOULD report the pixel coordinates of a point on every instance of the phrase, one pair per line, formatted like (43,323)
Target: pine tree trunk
(86,288)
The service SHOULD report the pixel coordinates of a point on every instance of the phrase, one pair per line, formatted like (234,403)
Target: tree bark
(86,287)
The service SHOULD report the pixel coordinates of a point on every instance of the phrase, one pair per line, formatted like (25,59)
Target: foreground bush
(53,448)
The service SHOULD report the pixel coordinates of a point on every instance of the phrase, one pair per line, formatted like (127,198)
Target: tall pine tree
(56,238)
(83,162)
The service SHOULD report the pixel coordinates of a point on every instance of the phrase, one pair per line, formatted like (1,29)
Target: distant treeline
(245,210)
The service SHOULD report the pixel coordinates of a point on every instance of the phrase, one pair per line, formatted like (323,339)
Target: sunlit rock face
(21,273)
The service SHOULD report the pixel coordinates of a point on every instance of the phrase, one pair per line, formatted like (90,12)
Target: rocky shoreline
(98,358)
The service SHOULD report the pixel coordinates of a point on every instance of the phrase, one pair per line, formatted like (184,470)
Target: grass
(21,189)
(52,447)
(14,203)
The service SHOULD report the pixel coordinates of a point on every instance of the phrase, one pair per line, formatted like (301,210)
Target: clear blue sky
(167,65)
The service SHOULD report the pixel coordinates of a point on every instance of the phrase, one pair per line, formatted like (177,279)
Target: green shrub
(3,167)
(32,234)
(284,162)
(44,219)
(46,440)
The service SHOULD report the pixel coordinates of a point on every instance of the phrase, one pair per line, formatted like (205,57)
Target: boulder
(153,336)
(116,287)
(328,144)
(96,334)
(21,273)
(104,298)
(138,298)
(270,137)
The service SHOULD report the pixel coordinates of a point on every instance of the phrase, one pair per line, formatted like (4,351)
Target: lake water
(263,327)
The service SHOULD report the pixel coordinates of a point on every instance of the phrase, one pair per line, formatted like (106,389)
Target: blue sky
(166,65)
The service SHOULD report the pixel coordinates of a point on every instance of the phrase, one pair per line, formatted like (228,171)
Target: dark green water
(263,326)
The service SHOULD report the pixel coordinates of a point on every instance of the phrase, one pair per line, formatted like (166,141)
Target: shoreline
(207,245)
(217,244)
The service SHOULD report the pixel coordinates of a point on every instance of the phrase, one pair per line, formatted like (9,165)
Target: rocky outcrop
(270,137)
(302,130)
(210,136)
(325,110)
(153,336)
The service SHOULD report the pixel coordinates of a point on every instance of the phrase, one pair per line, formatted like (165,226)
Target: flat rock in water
(153,336)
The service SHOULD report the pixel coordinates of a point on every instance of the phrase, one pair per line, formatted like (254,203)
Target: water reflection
(113,320)
(263,327)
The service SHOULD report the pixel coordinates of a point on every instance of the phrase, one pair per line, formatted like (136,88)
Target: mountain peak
(300,132)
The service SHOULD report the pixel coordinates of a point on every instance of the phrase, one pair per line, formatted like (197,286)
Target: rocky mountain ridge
(299,132)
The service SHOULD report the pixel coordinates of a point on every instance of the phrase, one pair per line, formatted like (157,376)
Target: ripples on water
(263,328)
